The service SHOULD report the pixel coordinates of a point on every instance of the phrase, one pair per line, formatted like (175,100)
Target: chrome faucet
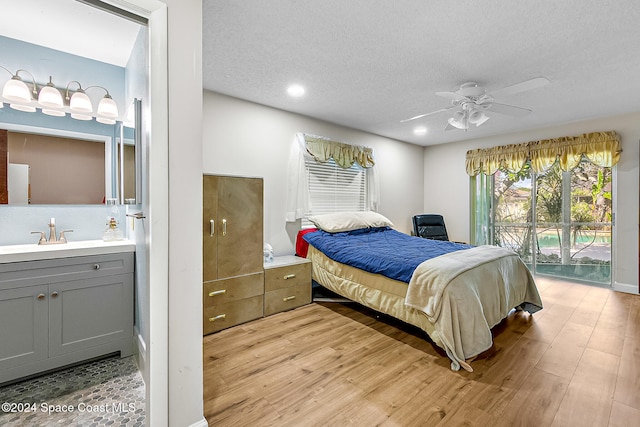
(52,231)
(53,238)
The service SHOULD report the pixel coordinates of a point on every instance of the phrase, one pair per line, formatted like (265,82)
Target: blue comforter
(380,250)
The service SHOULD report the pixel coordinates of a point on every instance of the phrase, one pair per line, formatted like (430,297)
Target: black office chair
(430,226)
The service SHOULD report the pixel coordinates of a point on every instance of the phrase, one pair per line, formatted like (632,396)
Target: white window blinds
(335,189)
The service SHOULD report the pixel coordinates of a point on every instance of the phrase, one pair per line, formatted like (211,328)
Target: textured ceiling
(368,64)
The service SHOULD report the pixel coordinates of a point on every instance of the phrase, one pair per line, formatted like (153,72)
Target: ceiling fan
(473,101)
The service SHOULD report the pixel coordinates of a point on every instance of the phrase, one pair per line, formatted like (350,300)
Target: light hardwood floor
(575,363)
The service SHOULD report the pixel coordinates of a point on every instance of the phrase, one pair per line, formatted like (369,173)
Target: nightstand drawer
(286,298)
(287,276)
(233,313)
(223,291)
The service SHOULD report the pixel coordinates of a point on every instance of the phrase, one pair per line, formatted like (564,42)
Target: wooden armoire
(232,244)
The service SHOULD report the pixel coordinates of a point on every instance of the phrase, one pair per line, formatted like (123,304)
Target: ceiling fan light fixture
(482,120)
(458,123)
(477,117)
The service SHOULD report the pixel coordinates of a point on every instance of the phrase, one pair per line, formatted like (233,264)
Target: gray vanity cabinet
(62,311)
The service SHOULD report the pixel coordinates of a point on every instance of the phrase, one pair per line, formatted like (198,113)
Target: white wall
(447,185)
(246,139)
(184,214)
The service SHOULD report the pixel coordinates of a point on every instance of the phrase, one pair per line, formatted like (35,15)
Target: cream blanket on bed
(466,293)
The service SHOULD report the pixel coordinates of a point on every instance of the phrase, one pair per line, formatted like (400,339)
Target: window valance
(601,148)
(344,155)
(322,149)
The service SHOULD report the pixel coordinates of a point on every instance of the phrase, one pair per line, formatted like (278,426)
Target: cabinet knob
(96,266)
(40,296)
(54,294)
(289,276)
(218,317)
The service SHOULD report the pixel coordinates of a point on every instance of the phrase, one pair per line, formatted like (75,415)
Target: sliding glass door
(559,222)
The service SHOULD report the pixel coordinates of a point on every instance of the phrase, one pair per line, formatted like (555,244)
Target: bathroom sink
(33,251)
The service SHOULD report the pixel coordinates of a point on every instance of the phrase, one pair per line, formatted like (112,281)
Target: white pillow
(347,221)
(374,219)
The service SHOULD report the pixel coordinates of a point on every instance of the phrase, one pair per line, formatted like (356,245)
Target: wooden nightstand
(287,284)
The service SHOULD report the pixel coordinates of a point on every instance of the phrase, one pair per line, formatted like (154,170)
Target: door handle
(212,227)
(224,227)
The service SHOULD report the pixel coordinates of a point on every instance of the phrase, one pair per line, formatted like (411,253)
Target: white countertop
(33,251)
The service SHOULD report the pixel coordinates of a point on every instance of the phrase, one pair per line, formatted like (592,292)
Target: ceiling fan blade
(450,95)
(520,87)
(427,114)
(508,110)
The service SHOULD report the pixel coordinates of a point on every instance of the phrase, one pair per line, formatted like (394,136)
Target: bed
(454,292)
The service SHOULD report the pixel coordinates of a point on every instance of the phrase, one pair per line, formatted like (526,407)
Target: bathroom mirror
(57,166)
(128,158)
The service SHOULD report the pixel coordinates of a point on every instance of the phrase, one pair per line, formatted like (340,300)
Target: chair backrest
(430,226)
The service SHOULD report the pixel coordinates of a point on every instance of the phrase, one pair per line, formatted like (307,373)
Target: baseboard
(626,288)
(201,423)
(141,354)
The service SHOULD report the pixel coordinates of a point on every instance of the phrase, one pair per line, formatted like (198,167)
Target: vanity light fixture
(18,93)
(51,101)
(107,108)
(79,103)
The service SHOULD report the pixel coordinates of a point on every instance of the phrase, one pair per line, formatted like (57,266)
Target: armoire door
(209,237)
(240,226)
(232,226)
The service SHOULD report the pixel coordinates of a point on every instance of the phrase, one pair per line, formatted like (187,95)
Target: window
(559,222)
(335,189)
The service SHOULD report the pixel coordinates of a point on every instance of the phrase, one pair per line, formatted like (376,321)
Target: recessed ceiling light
(421,130)
(295,90)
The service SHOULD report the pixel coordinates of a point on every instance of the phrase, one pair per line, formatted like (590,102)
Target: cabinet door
(239,226)
(209,228)
(87,313)
(23,326)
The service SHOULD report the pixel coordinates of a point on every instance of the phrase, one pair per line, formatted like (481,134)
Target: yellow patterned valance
(344,155)
(601,148)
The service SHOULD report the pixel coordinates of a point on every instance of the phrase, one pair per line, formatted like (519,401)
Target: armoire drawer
(222,316)
(223,291)
(286,298)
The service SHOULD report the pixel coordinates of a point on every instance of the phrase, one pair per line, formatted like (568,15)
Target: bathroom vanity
(62,304)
